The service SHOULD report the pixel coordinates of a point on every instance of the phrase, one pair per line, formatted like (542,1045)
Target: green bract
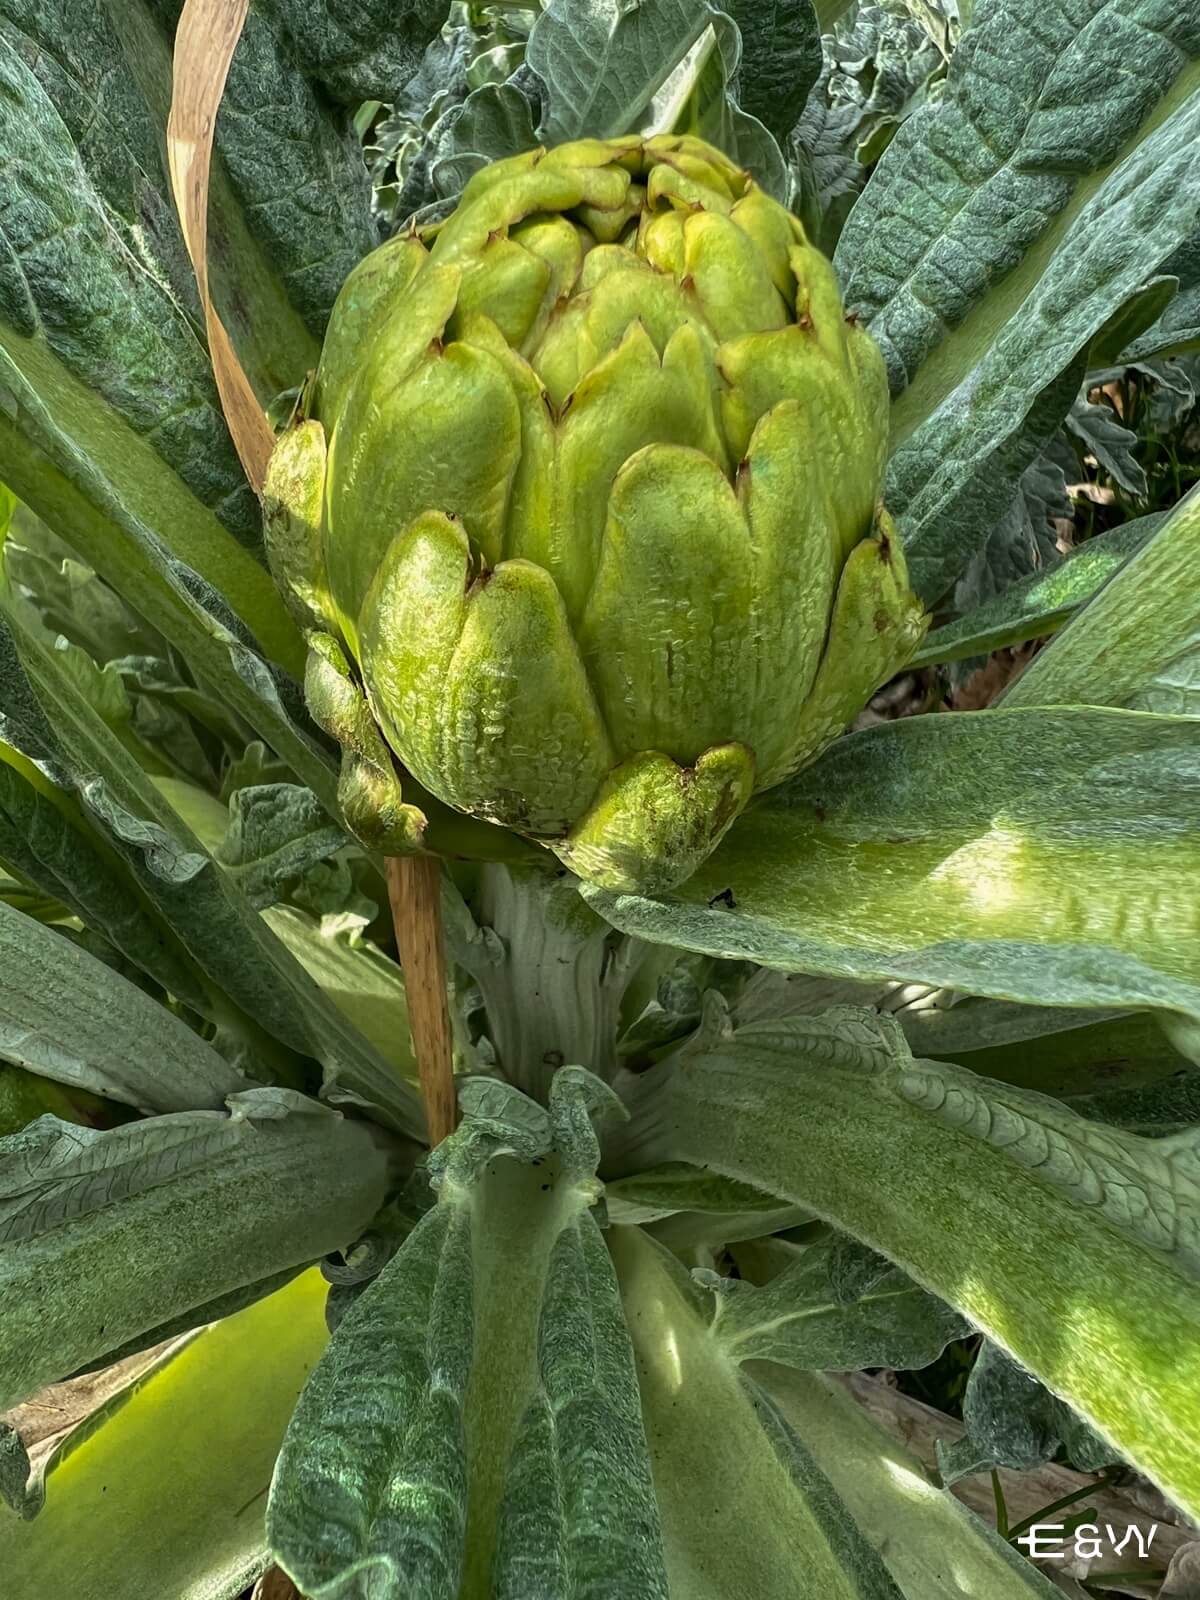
(589,491)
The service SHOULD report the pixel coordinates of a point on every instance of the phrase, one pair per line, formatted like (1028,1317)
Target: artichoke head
(588,492)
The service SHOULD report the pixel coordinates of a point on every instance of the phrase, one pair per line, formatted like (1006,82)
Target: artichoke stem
(414,892)
(553,993)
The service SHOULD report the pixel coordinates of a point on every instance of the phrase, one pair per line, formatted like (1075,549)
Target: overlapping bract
(589,493)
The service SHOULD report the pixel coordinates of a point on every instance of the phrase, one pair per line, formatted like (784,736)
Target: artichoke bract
(588,491)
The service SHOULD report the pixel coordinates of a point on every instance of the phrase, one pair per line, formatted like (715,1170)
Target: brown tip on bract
(436,345)
(804,321)
(852,318)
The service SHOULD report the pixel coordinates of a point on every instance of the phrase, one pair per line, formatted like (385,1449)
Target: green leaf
(1005,378)
(1042,856)
(1059,1051)
(1014,1421)
(781,59)
(46,835)
(104,1235)
(760,1522)
(366,55)
(700,99)
(993,424)
(1073,1246)
(113,527)
(24,1097)
(1101,435)
(370,1486)
(603,66)
(107,71)
(651,1195)
(810,1316)
(277,832)
(111,424)
(496,121)
(69,1017)
(984,188)
(1137,643)
(1041,603)
(1177,331)
(364,984)
(196,897)
(77,302)
(163,1490)
(934,1548)
(1170,1104)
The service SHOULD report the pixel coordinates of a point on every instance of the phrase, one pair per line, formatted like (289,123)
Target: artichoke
(588,492)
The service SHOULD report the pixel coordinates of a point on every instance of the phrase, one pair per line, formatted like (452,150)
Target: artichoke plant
(588,488)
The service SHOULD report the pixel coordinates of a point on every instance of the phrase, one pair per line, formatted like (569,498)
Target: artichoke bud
(590,499)
(292,496)
(369,791)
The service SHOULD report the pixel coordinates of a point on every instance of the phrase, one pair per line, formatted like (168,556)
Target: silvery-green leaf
(1041,603)
(1178,329)
(1031,122)
(1137,643)
(69,1017)
(761,1520)
(474,1422)
(979,1175)
(934,1548)
(802,1318)
(502,1111)
(369,1491)
(276,833)
(104,1235)
(581,1104)
(953,459)
(204,908)
(579,1514)
(217,1309)
(1041,856)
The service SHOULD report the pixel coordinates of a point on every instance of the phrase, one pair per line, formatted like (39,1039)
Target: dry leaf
(205,40)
